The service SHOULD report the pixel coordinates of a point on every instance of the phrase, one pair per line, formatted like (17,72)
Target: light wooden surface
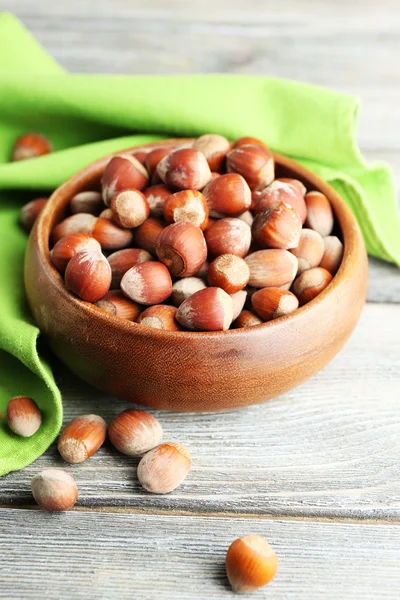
(316,471)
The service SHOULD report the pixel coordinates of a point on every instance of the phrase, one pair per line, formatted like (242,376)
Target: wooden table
(316,471)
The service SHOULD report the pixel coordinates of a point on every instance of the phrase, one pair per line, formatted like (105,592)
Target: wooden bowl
(189,371)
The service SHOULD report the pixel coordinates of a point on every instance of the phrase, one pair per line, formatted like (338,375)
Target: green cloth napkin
(86,117)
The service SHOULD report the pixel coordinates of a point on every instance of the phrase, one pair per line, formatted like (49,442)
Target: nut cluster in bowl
(197,237)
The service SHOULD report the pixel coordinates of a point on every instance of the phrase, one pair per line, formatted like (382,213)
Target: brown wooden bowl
(189,371)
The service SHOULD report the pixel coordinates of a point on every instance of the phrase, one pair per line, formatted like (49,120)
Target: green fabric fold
(87,116)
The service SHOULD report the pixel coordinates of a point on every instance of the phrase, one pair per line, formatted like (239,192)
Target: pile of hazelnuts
(199,237)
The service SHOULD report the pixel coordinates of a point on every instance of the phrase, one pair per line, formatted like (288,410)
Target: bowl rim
(351,238)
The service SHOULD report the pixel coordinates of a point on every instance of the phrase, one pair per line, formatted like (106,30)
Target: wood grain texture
(145,557)
(329,448)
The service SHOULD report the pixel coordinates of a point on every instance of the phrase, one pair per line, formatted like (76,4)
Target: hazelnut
(210,309)
(280,191)
(229,272)
(30,212)
(70,245)
(272,303)
(54,490)
(187,206)
(86,202)
(141,155)
(246,319)
(156,195)
(123,260)
(228,236)
(146,235)
(271,268)
(123,172)
(160,316)
(30,145)
(88,275)
(247,217)
(164,468)
(251,563)
(295,183)
(249,141)
(214,147)
(107,213)
(81,438)
(185,169)
(134,432)
(79,223)
(309,250)
(227,195)
(239,299)
(277,227)
(147,283)
(115,303)
(152,160)
(254,163)
(182,248)
(311,283)
(110,236)
(333,254)
(319,213)
(184,288)
(130,208)
(23,416)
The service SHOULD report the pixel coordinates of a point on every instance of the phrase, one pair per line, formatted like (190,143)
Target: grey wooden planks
(147,557)
(329,448)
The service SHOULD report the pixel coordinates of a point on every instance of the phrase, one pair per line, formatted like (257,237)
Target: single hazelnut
(271,268)
(130,208)
(81,438)
(186,169)
(134,432)
(247,217)
(30,212)
(30,145)
(107,213)
(79,223)
(123,260)
(54,490)
(110,236)
(246,319)
(88,275)
(187,206)
(210,309)
(147,283)
(333,254)
(309,250)
(228,236)
(160,316)
(254,163)
(251,563)
(184,288)
(295,183)
(152,160)
(277,227)
(23,416)
(182,248)
(115,303)
(214,147)
(272,303)
(310,284)
(239,300)
(87,202)
(123,172)
(146,234)
(164,468)
(319,213)
(229,272)
(156,195)
(227,196)
(249,141)
(70,245)
(280,191)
